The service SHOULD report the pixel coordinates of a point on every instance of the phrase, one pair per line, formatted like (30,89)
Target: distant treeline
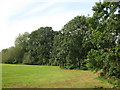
(87,43)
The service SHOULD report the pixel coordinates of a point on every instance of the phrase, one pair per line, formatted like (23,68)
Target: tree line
(87,43)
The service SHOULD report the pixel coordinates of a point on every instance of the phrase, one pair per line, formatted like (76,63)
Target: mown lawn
(35,76)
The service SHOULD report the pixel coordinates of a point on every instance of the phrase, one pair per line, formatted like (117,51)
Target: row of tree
(83,43)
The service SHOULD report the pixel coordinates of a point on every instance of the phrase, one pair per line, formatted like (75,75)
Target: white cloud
(39,8)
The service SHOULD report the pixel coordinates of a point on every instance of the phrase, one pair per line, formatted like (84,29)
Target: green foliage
(40,45)
(104,55)
(70,51)
(27,59)
(8,55)
(95,59)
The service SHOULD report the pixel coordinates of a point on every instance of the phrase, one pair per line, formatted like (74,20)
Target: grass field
(34,76)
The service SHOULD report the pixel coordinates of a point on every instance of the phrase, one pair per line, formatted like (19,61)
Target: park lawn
(36,76)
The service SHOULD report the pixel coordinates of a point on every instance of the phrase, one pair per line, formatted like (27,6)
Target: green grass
(35,76)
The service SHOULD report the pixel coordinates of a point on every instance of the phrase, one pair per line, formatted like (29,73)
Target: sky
(19,16)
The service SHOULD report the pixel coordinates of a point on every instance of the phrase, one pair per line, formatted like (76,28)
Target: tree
(70,52)
(104,38)
(21,46)
(8,55)
(40,45)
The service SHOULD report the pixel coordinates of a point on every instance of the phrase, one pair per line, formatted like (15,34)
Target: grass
(35,76)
